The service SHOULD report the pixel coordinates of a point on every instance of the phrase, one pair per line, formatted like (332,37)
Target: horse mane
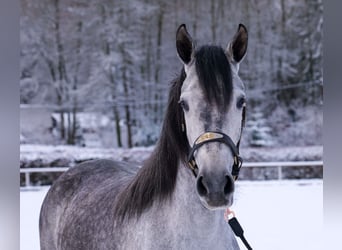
(156,179)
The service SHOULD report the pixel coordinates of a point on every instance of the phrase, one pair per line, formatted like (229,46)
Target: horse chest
(177,228)
(169,239)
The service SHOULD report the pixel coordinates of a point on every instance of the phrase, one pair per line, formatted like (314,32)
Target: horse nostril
(229,187)
(201,187)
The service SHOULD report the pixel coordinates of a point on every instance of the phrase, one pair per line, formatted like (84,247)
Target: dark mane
(214,74)
(156,180)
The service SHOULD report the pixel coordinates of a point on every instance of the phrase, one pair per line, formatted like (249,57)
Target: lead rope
(236,227)
(233,222)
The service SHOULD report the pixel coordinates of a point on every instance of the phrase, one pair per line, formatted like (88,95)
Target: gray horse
(175,200)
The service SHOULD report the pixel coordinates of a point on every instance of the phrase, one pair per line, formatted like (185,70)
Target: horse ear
(184,44)
(237,48)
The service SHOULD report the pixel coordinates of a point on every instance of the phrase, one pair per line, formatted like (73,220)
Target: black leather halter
(212,136)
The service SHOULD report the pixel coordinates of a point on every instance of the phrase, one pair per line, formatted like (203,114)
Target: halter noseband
(211,136)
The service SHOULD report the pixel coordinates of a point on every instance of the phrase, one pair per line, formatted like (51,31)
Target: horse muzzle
(215,188)
(215,191)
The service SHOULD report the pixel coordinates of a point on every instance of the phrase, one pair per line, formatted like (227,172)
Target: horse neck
(181,222)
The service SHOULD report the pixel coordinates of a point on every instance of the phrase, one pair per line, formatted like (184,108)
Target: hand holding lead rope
(230,218)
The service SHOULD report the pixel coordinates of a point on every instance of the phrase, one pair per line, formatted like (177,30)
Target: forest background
(101,69)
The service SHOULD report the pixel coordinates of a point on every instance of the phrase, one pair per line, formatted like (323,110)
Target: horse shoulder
(79,207)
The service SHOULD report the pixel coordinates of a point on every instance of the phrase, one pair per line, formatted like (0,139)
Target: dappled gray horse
(176,199)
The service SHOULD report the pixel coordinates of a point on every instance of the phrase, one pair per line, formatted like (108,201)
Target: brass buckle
(208,136)
(192,164)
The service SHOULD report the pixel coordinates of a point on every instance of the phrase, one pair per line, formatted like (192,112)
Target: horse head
(213,102)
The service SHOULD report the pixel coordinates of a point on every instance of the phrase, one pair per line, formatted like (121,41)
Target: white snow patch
(281,214)
(49,153)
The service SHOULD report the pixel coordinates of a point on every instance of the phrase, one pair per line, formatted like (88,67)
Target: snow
(30,202)
(48,153)
(281,214)
(74,154)
(274,214)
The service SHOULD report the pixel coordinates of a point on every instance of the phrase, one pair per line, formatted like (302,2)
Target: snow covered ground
(276,215)
(49,155)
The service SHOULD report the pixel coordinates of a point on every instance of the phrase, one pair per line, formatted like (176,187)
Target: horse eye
(241,102)
(184,105)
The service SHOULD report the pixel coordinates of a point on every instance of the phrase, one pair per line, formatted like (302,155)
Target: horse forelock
(214,75)
(156,179)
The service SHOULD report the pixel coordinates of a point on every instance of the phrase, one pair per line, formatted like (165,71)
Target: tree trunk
(127,109)
(117,126)
(73,118)
(213,20)
(62,79)
(69,123)
(107,51)
(116,112)
(158,62)
(194,24)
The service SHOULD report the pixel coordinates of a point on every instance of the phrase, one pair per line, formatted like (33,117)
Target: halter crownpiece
(212,136)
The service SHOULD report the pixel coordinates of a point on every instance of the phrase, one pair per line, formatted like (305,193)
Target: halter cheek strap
(212,136)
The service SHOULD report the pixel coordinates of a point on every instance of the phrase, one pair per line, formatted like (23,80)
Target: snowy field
(276,215)
(48,155)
